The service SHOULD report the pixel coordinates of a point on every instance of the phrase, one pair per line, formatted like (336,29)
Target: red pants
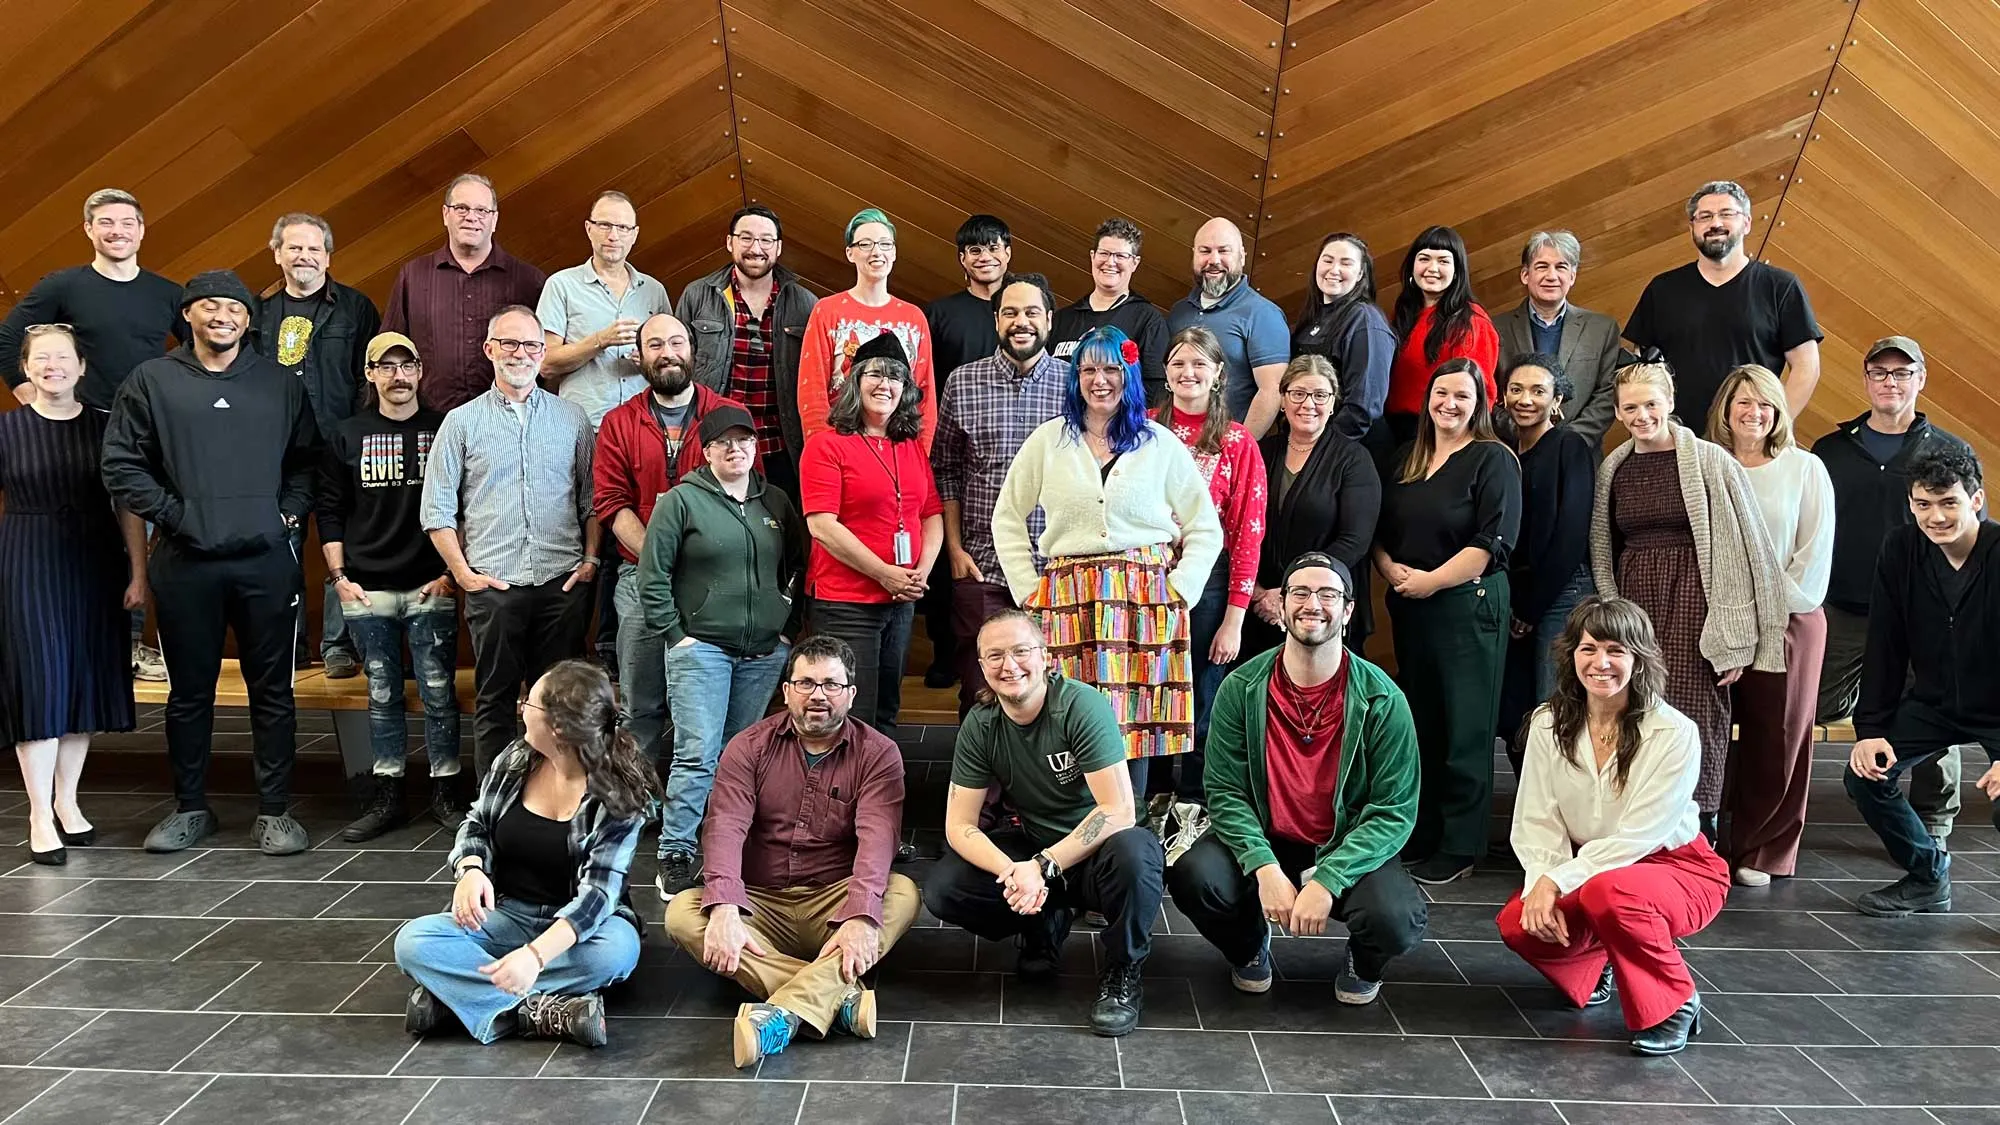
(1631,917)
(1770,772)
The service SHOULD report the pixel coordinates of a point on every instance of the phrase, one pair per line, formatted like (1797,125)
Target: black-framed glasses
(762,241)
(464,209)
(1119,256)
(1884,374)
(1325,595)
(810,688)
(603,227)
(870,245)
(1300,396)
(524,347)
(396,367)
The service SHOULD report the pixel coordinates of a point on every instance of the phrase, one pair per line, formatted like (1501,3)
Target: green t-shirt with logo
(1040,766)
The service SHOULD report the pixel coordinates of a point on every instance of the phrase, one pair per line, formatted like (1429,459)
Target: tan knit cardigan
(1740,573)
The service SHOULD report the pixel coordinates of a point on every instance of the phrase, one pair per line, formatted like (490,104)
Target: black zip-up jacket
(1869,499)
(335,362)
(218,459)
(704,308)
(1921,647)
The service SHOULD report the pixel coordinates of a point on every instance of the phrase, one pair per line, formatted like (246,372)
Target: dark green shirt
(1040,766)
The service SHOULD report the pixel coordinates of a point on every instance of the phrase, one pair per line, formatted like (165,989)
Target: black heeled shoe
(1670,1035)
(54,857)
(81,839)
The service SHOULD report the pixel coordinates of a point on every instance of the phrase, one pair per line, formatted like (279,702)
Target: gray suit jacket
(1589,354)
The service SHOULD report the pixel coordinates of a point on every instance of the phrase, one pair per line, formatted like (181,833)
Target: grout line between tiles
(226,1025)
(73,1034)
(190,1098)
(428,1091)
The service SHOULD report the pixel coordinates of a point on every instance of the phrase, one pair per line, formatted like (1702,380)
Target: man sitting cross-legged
(1053,747)
(797,900)
(1312,766)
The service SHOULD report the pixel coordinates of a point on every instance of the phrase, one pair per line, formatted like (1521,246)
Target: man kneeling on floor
(1053,747)
(797,900)
(1312,766)
(1930,674)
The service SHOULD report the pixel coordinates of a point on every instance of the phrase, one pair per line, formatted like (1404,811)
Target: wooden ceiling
(1861,127)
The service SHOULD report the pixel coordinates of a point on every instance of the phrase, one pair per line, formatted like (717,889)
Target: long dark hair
(581,706)
(1214,425)
(1615,621)
(1453,316)
(1316,306)
(1481,423)
(1128,429)
(905,422)
(1561,391)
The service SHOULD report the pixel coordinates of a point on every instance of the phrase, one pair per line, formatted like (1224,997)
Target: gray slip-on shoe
(279,835)
(182,830)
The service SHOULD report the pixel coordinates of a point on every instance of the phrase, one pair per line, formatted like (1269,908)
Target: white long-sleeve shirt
(1573,822)
(1154,495)
(1795,497)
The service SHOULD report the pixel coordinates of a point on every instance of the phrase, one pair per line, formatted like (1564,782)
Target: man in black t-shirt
(1724,310)
(389,582)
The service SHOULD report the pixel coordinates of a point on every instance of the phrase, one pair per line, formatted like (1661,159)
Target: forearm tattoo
(1091,828)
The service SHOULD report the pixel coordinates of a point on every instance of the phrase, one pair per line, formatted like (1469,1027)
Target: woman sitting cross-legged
(538,922)
(1606,825)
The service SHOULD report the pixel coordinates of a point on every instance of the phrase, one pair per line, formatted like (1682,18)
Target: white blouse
(1154,495)
(1795,497)
(1573,822)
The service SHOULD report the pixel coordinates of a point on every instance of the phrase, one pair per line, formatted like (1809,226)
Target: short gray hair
(471,178)
(510,310)
(1730,188)
(300,219)
(105,197)
(1561,241)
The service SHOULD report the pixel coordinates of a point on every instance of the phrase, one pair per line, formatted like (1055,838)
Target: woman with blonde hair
(1675,528)
(1771,772)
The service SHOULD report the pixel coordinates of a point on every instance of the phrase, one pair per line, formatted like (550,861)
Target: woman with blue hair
(1130,536)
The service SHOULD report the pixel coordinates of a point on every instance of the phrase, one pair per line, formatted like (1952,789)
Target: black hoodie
(1138,318)
(1922,647)
(217,459)
(1870,498)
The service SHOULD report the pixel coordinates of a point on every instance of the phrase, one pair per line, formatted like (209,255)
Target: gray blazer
(1589,354)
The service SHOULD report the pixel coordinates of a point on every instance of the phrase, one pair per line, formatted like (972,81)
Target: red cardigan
(1236,484)
(1410,375)
(630,470)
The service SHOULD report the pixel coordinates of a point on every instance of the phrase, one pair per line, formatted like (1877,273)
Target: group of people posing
(1151,593)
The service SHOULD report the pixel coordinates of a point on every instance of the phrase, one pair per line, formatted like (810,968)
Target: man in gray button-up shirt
(507,503)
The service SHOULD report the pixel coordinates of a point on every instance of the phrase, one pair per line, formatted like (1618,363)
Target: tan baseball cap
(1895,344)
(380,345)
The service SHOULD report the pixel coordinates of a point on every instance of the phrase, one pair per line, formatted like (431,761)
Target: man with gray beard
(642,451)
(507,504)
(1256,342)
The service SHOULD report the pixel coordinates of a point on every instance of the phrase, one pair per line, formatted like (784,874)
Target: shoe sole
(349,836)
(1118,1032)
(863,1025)
(1253,987)
(1943,906)
(1437,882)
(747,1053)
(212,829)
(1357,999)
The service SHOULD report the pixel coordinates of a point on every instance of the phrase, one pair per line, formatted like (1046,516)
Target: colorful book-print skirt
(1114,622)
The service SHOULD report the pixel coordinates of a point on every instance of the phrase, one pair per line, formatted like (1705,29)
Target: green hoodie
(722,571)
(1375,803)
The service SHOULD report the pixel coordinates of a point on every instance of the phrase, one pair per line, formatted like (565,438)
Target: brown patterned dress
(1657,568)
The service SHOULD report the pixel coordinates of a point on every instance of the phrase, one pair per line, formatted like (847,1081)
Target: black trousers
(200,601)
(1385,913)
(1120,880)
(879,634)
(517,633)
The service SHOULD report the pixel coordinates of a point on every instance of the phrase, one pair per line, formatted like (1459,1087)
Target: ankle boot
(1671,1034)
(384,811)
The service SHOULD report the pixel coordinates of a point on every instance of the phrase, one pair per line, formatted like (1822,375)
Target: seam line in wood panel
(1805,137)
(1270,143)
(735,118)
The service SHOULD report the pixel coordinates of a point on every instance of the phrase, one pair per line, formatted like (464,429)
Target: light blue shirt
(576,302)
(514,480)
(1251,329)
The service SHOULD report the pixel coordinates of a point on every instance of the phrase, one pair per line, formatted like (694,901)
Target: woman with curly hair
(1130,537)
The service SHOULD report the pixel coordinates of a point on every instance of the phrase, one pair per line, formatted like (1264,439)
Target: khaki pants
(793,923)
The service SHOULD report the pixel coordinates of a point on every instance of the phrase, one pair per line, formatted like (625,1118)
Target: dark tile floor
(221,986)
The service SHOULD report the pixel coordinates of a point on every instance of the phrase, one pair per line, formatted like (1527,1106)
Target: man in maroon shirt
(443,300)
(797,900)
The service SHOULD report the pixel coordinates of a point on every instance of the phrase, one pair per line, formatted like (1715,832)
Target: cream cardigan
(1740,573)
(1155,495)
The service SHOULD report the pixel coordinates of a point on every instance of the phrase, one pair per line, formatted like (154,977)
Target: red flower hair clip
(1129,352)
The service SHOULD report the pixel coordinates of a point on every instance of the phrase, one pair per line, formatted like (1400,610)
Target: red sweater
(1236,484)
(1410,375)
(630,470)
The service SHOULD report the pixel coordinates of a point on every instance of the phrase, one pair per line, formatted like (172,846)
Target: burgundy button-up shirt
(774,824)
(445,310)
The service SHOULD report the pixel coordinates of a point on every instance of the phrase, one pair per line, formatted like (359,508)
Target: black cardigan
(1330,507)
(1869,498)
(1920,648)
(1558,485)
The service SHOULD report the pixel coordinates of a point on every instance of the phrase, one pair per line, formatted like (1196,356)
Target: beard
(1313,635)
(669,377)
(754,269)
(1216,284)
(1020,356)
(815,724)
(1716,247)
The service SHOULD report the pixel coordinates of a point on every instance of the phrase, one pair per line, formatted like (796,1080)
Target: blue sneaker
(762,1029)
(1256,976)
(1350,988)
(856,1015)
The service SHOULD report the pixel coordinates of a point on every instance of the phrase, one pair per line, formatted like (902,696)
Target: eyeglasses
(1118,256)
(464,209)
(396,367)
(55,327)
(761,241)
(1727,215)
(870,245)
(1020,654)
(810,688)
(745,442)
(603,227)
(525,705)
(1884,374)
(1325,595)
(1298,396)
(524,347)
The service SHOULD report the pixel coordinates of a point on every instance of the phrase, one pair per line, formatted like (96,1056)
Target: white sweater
(1572,822)
(1155,495)
(1796,497)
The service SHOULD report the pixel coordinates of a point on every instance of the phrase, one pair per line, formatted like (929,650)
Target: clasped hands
(1298,912)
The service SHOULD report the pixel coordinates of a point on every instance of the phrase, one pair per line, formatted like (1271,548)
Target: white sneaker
(147,663)
(1751,877)
(1190,825)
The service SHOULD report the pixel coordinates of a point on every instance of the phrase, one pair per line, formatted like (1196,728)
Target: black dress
(65,637)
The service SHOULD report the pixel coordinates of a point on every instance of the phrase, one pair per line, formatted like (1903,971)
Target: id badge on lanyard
(906,554)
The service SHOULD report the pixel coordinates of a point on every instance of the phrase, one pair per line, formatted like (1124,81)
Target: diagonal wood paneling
(1891,218)
(1504,117)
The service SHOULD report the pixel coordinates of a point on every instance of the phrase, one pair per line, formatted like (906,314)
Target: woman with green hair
(840,324)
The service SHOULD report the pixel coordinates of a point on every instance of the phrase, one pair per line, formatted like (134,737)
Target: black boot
(1671,1034)
(423,1012)
(384,811)
(447,806)
(1602,993)
(1120,997)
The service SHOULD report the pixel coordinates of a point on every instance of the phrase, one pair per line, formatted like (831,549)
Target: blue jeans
(430,624)
(1919,733)
(642,667)
(436,953)
(713,696)
(1531,666)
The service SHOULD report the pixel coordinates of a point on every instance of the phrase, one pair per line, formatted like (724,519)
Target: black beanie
(217,283)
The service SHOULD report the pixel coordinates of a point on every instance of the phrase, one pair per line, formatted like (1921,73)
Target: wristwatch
(1051,870)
